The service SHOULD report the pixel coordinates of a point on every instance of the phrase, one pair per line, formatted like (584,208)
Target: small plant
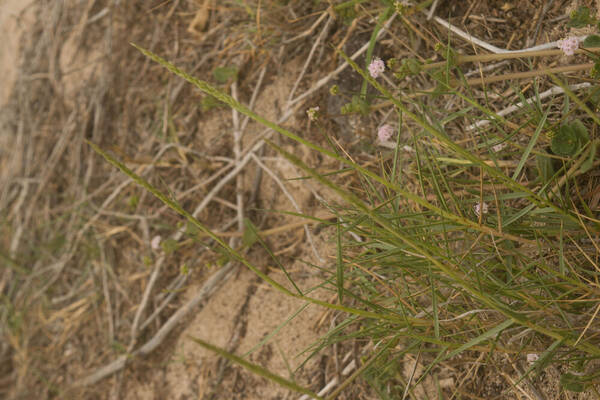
(569,139)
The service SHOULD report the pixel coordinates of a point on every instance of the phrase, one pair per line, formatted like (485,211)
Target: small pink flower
(385,132)
(568,45)
(532,357)
(155,243)
(480,208)
(376,67)
(499,147)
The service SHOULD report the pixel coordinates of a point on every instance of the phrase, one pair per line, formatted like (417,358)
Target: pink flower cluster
(480,208)
(376,67)
(568,45)
(385,132)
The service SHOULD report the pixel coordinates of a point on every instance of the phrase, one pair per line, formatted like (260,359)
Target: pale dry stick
(526,74)
(538,25)
(508,110)
(432,10)
(254,96)
(19,230)
(98,15)
(323,81)
(309,30)
(293,201)
(205,291)
(411,377)
(106,292)
(519,335)
(309,58)
(334,381)
(471,39)
(463,59)
(237,146)
(179,282)
(466,314)
(487,68)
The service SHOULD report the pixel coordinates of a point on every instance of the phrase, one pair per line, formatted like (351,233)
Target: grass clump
(463,249)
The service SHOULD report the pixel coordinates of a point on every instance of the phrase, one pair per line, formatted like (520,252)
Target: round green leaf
(565,142)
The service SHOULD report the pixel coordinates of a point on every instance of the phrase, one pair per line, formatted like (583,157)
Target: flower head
(313,113)
(480,208)
(498,147)
(568,45)
(532,357)
(376,67)
(385,132)
(155,243)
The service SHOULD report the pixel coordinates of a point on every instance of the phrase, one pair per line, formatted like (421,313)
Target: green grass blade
(256,369)
(530,145)
(340,264)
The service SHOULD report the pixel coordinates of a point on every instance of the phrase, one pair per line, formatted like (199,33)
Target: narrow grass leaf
(530,145)
(256,369)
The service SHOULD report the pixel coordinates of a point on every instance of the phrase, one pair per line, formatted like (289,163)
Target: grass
(421,284)
(431,275)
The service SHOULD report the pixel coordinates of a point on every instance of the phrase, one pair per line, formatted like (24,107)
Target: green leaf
(580,18)
(360,105)
(572,383)
(529,147)
(592,41)
(223,74)
(256,369)
(169,245)
(494,332)
(595,73)
(565,142)
(340,264)
(250,235)
(545,168)
(589,163)
(208,102)
(581,131)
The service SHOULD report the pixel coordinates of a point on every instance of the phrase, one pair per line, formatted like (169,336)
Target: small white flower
(532,357)
(480,208)
(155,243)
(313,113)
